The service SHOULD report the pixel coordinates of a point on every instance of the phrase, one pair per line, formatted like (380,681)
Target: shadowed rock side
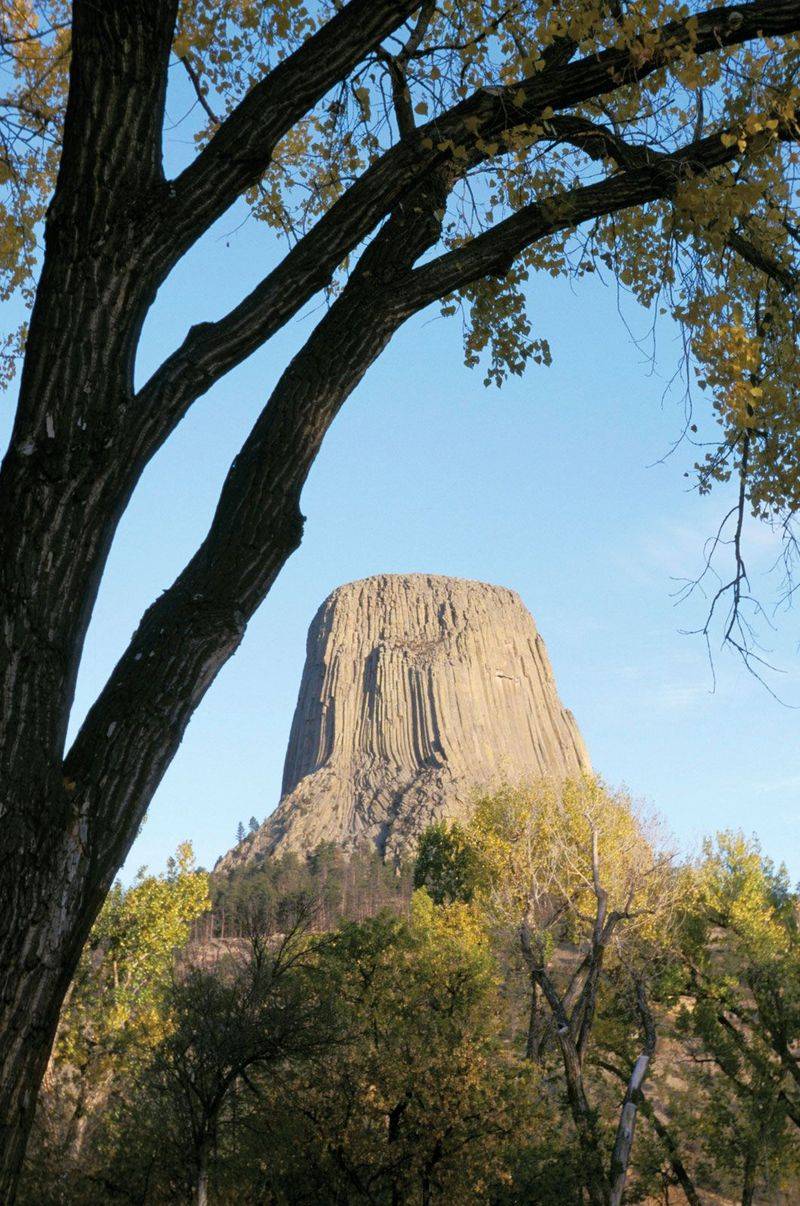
(417,691)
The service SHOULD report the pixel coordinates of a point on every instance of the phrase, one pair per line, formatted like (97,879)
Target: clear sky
(551,486)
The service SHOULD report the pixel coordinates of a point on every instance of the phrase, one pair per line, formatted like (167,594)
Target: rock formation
(418,691)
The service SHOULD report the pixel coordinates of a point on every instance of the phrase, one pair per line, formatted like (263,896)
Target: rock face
(417,692)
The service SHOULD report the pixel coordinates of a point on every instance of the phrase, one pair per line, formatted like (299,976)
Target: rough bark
(117,761)
(60,470)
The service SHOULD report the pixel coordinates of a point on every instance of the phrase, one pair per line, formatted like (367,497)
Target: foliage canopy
(391,1058)
(642,89)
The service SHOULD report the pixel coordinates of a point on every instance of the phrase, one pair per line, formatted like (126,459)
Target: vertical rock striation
(417,691)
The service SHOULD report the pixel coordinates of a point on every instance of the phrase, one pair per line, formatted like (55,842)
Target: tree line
(563,1011)
(343,886)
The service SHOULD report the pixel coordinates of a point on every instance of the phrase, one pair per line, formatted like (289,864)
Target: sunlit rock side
(418,690)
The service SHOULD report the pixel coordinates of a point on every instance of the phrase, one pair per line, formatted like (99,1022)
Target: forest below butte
(547,1005)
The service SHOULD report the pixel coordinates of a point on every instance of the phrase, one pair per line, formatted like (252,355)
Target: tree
(225,1017)
(573,866)
(413,153)
(240,834)
(741,947)
(446,866)
(229,1020)
(343,887)
(416,1102)
(115,1016)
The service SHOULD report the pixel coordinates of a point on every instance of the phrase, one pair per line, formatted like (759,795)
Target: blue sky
(552,486)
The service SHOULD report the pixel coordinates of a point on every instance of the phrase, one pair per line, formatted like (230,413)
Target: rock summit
(418,692)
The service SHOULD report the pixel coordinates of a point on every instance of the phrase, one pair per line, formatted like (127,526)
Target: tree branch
(763,261)
(583,1015)
(194,78)
(600,143)
(582,1113)
(396,66)
(131,733)
(189,633)
(492,252)
(133,730)
(621,1155)
(211,349)
(242,147)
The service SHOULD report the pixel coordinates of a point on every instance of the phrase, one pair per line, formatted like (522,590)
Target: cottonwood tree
(572,868)
(412,152)
(740,951)
(416,1101)
(115,1015)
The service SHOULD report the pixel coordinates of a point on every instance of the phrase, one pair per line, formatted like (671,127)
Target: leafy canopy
(116,1005)
(714,245)
(538,847)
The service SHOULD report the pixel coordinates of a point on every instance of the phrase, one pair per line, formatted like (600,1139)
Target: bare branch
(198,88)
(627,1122)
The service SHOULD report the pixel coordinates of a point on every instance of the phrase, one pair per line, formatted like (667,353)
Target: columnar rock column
(418,692)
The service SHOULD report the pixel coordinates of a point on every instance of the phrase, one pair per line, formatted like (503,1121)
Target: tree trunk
(201,1183)
(626,1128)
(20,1077)
(63,855)
(749,1180)
(534,1022)
(594,1178)
(42,938)
(81,439)
(61,494)
(597,1186)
